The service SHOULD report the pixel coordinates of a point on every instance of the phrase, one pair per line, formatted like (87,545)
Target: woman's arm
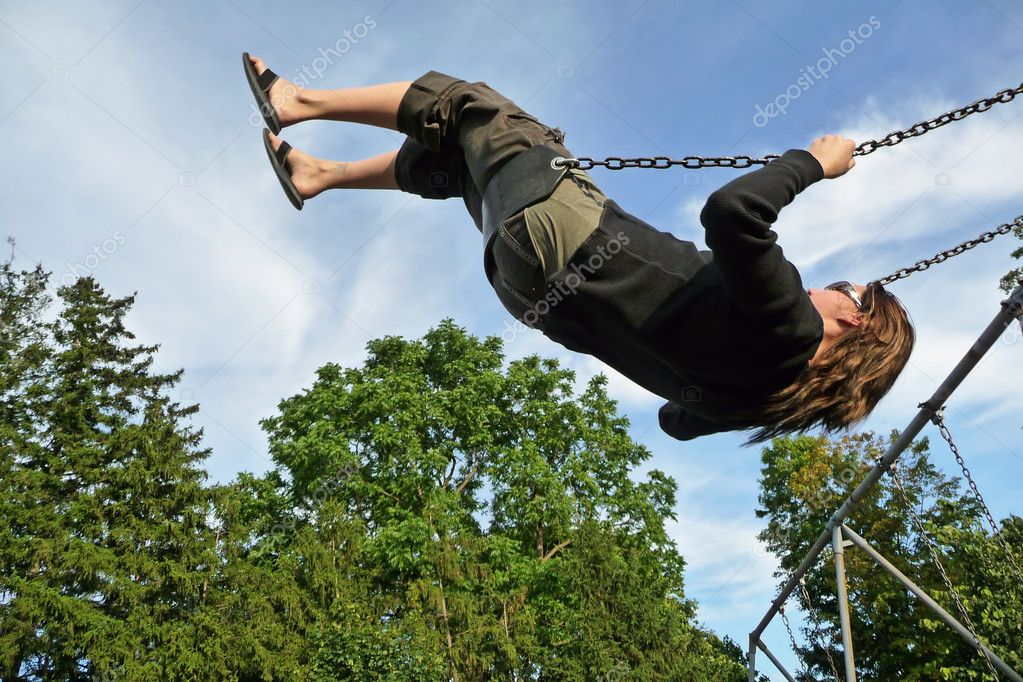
(738,218)
(684,425)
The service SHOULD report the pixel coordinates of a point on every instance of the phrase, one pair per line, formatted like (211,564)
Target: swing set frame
(837,535)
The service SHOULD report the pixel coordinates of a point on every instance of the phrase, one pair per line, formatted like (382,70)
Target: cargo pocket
(539,132)
(516,275)
(523,117)
(515,258)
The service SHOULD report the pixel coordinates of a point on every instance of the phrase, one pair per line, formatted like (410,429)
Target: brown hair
(844,385)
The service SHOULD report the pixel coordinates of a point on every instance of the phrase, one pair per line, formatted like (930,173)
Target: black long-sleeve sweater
(714,333)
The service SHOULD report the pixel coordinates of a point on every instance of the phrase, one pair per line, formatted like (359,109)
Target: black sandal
(260,86)
(277,159)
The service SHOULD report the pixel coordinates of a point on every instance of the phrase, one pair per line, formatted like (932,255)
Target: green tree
(258,607)
(433,516)
(23,355)
(1014,278)
(104,540)
(488,518)
(804,479)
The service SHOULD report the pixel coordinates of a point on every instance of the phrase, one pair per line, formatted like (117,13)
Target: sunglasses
(849,290)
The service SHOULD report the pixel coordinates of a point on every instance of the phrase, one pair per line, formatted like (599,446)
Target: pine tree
(106,544)
(23,357)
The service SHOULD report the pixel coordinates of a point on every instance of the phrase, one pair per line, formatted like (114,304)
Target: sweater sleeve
(737,219)
(684,425)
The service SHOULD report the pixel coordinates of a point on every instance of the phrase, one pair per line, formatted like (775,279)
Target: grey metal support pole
(777,663)
(843,604)
(1011,309)
(934,606)
(751,661)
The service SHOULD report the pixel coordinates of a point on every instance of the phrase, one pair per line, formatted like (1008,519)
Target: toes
(275,142)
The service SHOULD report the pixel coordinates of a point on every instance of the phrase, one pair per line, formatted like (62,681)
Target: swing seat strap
(527,178)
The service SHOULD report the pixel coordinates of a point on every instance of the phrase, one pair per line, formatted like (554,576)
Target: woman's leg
(312,175)
(453,149)
(375,105)
(412,168)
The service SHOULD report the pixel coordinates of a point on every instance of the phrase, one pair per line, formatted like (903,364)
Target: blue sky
(130,156)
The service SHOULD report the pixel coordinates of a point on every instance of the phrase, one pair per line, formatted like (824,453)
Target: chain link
(818,628)
(941,569)
(864,148)
(939,421)
(792,639)
(664,162)
(922,265)
(917,129)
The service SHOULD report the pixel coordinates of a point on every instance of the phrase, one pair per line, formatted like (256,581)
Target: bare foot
(288,100)
(310,174)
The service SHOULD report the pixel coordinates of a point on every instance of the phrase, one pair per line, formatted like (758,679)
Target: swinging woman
(729,337)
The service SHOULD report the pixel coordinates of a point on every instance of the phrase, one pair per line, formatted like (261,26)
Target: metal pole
(843,604)
(1011,309)
(934,606)
(777,663)
(751,662)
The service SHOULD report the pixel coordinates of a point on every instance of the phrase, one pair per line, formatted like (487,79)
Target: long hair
(844,385)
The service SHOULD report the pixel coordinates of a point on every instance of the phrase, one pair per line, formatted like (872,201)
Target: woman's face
(837,309)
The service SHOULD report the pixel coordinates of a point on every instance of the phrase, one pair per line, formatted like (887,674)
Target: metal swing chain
(941,569)
(818,628)
(1001,97)
(939,421)
(922,265)
(892,138)
(792,639)
(663,162)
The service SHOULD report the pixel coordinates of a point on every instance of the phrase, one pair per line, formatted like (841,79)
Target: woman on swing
(729,337)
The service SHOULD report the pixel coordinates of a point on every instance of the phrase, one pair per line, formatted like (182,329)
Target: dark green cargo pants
(459,136)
